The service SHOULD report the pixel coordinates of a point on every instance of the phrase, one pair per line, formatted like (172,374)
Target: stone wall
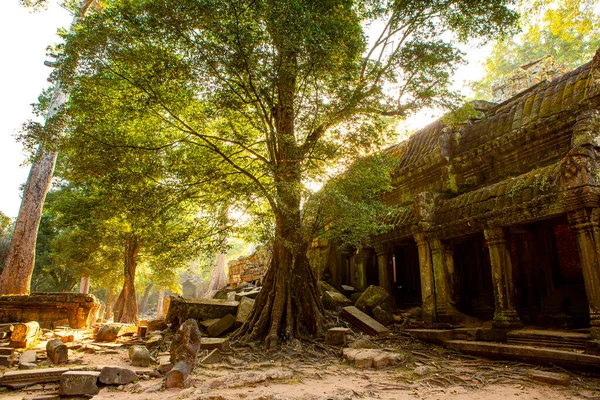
(80,309)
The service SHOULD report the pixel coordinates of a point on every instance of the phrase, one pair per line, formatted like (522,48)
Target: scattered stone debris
(213,357)
(57,351)
(25,335)
(215,343)
(113,375)
(335,301)
(184,353)
(181,309)
(221,326)
(367,358)
(551,378)
(109,332)
(79,383)
(244,310)
(371,298)
(336,336)
(140,356)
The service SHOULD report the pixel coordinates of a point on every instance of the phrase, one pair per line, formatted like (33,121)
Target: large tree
(278,92)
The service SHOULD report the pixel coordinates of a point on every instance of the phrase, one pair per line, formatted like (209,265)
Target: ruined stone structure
(80,309)
(498,218)
(251,268)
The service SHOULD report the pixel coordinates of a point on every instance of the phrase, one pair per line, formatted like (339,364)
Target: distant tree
(567,30)
(5,234)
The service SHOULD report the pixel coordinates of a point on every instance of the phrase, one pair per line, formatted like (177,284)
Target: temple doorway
(406,276)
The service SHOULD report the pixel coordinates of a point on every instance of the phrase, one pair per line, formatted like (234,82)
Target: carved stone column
(443,266)
(505,315)
(360,265)
(384,264)
(585,224)
(426,271)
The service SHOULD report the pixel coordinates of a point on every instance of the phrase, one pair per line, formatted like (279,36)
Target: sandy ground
(310,371)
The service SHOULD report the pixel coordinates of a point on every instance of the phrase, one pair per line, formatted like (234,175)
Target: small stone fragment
(79,383)
(139,356)
(28,356)
(422,370)
(361,344)
(222,326)
(244,310)
(109,332)
(336,336)
(215,343)
(213,357)
(57,351)
(335,301)
(552,378)
(154,341)
(113,375)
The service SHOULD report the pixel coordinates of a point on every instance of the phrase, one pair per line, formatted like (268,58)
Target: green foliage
(460,115)
(567,30)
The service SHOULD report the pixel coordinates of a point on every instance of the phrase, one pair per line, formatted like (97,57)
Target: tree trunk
(18,268)
(84,285)
(218,279)
(126,307)
(145,298)
(109,303)
(160,304)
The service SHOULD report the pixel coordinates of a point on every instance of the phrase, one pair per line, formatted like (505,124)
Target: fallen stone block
(61,323)
(336,336)
(370,358)
(25,335)
(215,343)
(110,332)
(348,288)
(7,351)
(20,379)
(371,298)
(213,357)
(57,351)
(139,356)
(79,383)
(361,344)
(325,287)
(207,323)
(363,322)
(244,310)
(355,296)
(27,359)
(157,325)
(221,326)
(250,294)
(335,301)
(112,375)
(383,316)
(154,341)
(5,361)
(181,309)
(184,353)
(551,378)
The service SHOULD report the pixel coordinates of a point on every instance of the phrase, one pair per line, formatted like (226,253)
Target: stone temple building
(498,218)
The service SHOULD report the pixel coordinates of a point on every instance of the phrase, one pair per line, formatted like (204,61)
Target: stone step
(533,355)
(548,338)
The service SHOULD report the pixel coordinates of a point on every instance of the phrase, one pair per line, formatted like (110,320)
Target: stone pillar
(585,223)
(505,315)
(426,272)
(360,265)
(384,262)
(443,267)
(84,285)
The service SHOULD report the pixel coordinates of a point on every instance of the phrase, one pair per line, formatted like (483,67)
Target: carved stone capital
(584,220)
(586,130)
(495,236)
(382,249)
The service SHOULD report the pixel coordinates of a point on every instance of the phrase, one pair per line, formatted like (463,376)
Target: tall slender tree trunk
(18,268)
(218,280)
(109,303)
(144,301)
(84,285)
(160,303)
(126,306)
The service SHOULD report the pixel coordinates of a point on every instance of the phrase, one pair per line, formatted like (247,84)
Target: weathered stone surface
(213,357)
(371,298)
(325,287)
(249,294)
(243,311)
(181,309)
(60,324)
(335,301)
(29,356)
(221,326)
(110,332)
(207,323)
(551,378)
(19,379)
(5,360)
(57,351)
(7,351)
(157,325)
(336,336)
(361,344)
(164,367)
(113,375)
(25,334)
(46,308)
(383,316)
(215,343)
(355,296)
(142,331)
(79,383)
(370,358)
(139,356)
(184,353)
(422,370)
(154,341)
(363,322)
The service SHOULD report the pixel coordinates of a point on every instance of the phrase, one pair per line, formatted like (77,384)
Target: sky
(23,76)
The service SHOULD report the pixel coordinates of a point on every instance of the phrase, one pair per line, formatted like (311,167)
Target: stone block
(244,310)
(325,287)
(5,361)
(28,357)
(336,336)
(139,356)
(383,316)
(60,324)
(250,294)
(335,301)
(215,343)
(113,375)
(355,296)
(25,334)
(20,379)
(79,383)
(363,322)
(551,378)
(110,332)
(154,341)
(221,326)
(157,325)
(57,351)
(213,357)
(371,298)
(7,351)
(207,323)
(378,359)
(181,309)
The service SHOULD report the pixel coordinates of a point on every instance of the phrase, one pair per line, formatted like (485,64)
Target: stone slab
(19,379)
(221,326)
(371,298)
(244,310)
(363,322)
(215,343)
(551,378)
(181,309)
(114,375)
(79,383)
(336,336)
(335,301)
(213,357)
